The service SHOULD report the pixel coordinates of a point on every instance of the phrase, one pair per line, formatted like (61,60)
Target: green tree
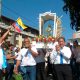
(73,7)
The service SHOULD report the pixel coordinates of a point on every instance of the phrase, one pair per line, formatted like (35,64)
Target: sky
(29,10)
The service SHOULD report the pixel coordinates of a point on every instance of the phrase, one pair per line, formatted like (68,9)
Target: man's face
(74,44)
(53,40)
(61,42)
(27,43)
(11,48)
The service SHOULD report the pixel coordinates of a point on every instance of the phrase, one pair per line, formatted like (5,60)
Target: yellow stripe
(19,21)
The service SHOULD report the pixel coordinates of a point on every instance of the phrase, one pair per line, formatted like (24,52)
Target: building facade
(15,37)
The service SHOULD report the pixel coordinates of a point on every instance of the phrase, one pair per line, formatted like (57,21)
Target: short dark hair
(61,38)
(75,41)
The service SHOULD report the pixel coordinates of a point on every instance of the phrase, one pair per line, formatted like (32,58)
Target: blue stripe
(19,26)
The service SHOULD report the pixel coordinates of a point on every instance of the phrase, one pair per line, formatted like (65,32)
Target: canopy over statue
(57,29)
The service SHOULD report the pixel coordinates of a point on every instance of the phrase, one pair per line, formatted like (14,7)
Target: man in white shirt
(26,61)
(62,60)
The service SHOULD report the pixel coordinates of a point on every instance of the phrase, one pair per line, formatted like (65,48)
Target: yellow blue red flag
(19,21)
(17,27)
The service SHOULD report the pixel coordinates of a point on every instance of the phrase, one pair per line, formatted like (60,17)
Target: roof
(10,21)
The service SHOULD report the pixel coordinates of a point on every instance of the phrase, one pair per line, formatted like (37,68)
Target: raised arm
(4,35)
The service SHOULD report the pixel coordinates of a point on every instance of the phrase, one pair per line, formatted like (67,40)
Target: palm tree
(73,7)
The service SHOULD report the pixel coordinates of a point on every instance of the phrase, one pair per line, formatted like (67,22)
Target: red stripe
(16,27)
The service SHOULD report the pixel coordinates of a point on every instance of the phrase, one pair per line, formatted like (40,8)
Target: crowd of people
(34,62)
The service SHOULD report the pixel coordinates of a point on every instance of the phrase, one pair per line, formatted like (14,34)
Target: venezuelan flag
(17,27)
(19,21)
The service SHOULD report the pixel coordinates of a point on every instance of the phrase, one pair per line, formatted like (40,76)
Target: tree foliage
(73,7)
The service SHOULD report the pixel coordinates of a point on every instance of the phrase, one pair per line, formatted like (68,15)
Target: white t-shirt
(16,54)
(1,58)
(26,57)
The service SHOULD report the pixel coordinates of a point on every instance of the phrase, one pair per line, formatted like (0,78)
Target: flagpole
(14,34)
